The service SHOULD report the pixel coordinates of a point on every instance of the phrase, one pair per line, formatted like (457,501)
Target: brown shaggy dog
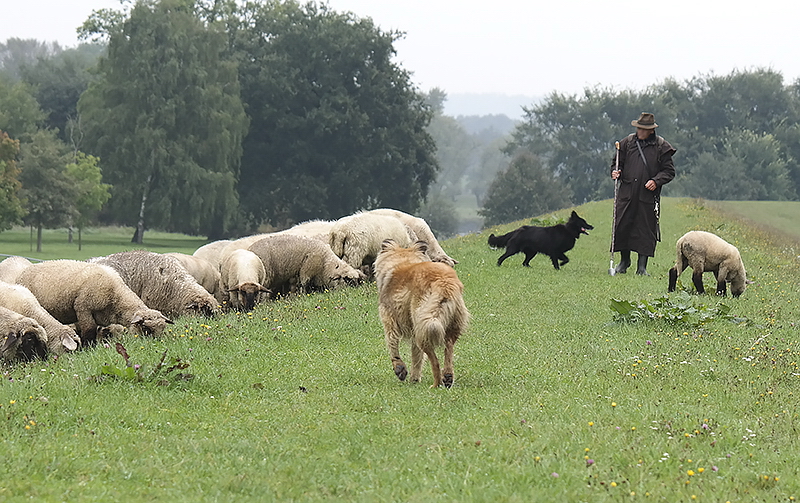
(422,301)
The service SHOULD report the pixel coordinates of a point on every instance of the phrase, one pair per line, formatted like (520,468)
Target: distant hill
(487,104)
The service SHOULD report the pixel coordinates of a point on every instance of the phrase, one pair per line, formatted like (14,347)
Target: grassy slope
(297,402)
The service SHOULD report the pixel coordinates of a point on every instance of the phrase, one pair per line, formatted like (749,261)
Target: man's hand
(615,174)
(650,185)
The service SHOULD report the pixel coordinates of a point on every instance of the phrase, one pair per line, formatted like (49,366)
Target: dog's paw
(447,380)
(400,371)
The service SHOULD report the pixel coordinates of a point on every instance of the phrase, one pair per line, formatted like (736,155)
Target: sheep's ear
(69,343)
(421,246)
(387,243)
(234,289)
(137,319)
(168,320)
(263,289)
(11,339)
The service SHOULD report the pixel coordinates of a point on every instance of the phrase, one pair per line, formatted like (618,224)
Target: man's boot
(641,266)
(624,262)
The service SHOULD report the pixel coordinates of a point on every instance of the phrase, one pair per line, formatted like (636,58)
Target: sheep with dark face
(294,262)
(60,337)
(242,278)
(161,282)
(21,337)
(707,252)
(212,251)
(89,295)
(203,271)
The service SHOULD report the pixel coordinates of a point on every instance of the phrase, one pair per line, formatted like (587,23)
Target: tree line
(216,117)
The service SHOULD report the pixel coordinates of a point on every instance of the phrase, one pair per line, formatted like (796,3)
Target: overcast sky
(532,48)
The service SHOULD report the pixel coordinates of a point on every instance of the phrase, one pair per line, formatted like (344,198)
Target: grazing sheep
(11,267)
(707,252)
(161,282)
(239,244)
(315,229)
(357,238)
(211,251)
(19,299)
(22,337)
(90,295)
(423,233)
(304,263)
(243,275)
(203,271)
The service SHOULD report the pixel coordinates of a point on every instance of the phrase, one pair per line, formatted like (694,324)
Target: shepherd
(643,165)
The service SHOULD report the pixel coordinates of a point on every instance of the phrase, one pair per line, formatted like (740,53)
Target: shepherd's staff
(611,270)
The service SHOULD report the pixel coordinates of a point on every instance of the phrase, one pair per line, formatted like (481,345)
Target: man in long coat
(645,165)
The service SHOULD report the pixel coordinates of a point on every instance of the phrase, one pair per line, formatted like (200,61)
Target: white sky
(529,47)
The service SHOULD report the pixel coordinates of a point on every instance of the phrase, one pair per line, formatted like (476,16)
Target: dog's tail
(500,241)
(441,315)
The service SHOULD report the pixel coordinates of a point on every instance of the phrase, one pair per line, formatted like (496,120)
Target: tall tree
(11,206)
(167,120)
(49,193)
(16,53)
(91,192)
(336,125)
(20,114)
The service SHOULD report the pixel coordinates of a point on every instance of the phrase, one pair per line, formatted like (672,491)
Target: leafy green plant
(678,308)
(160,373)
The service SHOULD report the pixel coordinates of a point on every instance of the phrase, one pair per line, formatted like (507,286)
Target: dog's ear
(387,243)
(574,215)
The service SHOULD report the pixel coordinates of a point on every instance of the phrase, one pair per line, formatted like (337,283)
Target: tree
(58,82)
(524,190)
(48,192)
(91,192)
(336,125)
(167,120)
(16,53)
(20,114)
(11,206)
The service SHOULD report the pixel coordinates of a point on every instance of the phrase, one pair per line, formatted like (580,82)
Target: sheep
(423,232)
(211,251)
(11,267)
(203,271)
(243,275)
(357,238)
(90,295)
(707,252)
(22,338)
(315,229)
(60,337)
(302,262)
(161,282)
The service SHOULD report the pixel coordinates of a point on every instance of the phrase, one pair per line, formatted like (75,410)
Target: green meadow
(557,396)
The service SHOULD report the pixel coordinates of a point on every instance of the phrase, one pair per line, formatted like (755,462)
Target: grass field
(553,399)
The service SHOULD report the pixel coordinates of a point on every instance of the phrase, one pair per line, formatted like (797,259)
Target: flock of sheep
(58,305)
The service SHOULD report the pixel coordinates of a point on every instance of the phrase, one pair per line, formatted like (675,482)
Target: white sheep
(11,267)
(302,263)
(161,282)
(22,338)
(203,271)
(60,337)
(89,295)
(357,238)
(243,275)
(315,229)
(211,251)
(423,233)
(707,252)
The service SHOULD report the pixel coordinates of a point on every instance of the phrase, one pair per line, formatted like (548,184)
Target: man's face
(643,133)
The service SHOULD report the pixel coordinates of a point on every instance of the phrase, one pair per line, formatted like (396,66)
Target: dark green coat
(637,209)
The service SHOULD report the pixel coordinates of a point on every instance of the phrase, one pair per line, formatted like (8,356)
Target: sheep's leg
(722,286)
(417,359)
(447,375)
(673,279)
(697,279)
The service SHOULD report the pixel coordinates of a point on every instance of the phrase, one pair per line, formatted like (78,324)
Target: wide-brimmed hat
(645,121)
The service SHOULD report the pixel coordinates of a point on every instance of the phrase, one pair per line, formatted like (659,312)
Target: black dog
(553,241)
